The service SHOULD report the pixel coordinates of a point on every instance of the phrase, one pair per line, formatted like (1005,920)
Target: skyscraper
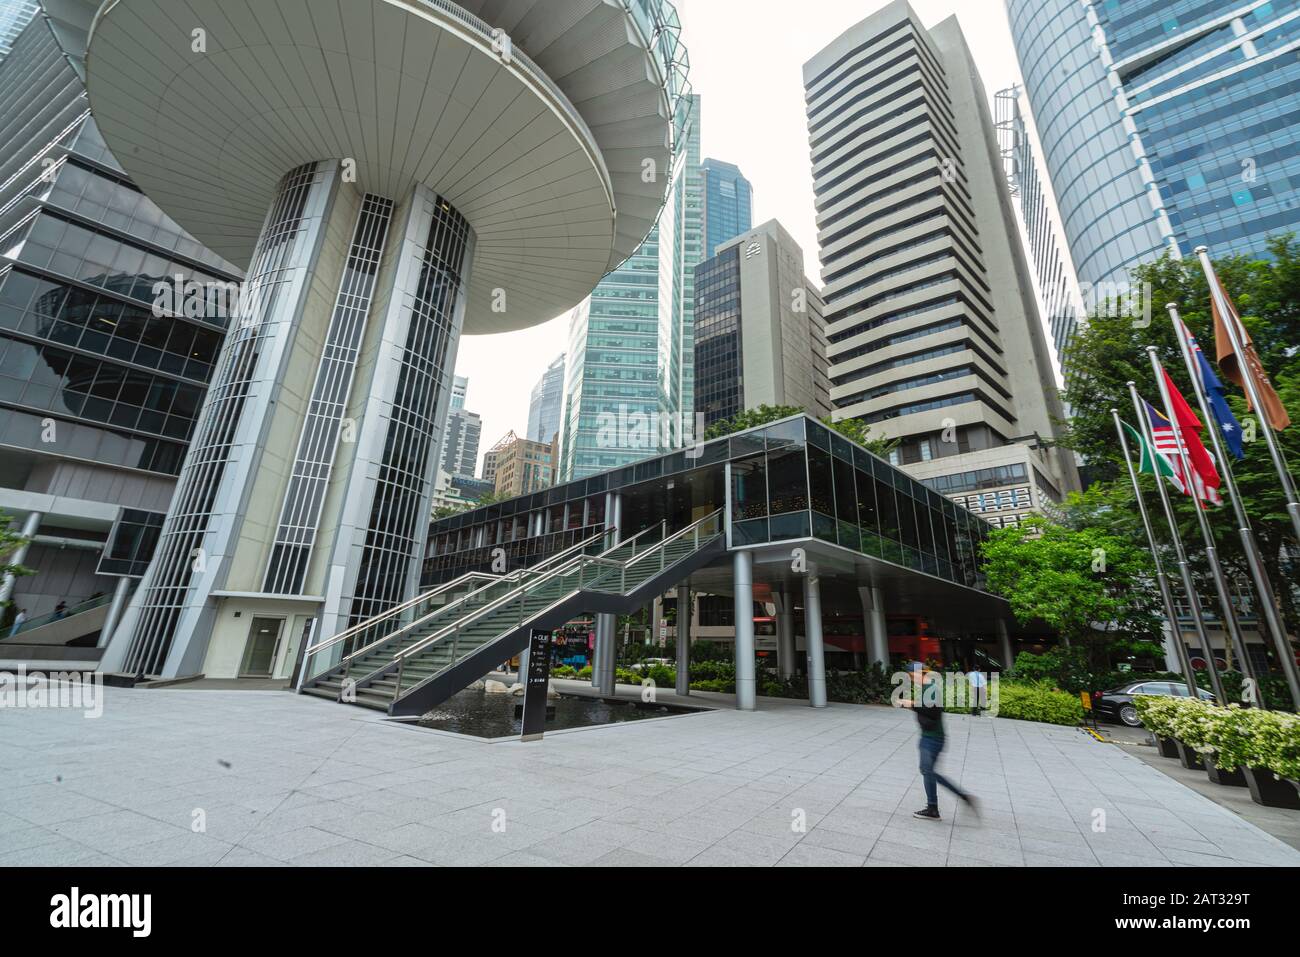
(934,333)
(630,385)
(100,388)
(1164,125)
(473,190)
(759,334)
(461,434)
(728,204)
(14,16)
(546,405)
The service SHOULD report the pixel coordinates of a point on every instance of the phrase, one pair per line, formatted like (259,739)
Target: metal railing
(393,615)
(602,564)
(29,624)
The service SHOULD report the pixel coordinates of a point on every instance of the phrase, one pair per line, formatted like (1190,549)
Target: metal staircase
(415,656)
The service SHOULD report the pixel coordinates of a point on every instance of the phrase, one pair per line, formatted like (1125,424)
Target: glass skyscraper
(1164,125)
(546,404)
(728,204)
(630,381)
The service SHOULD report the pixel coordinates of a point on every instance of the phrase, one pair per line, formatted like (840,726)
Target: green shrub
(564,671)
(715,684)
(1238,736)
(1038,701)
(585,673)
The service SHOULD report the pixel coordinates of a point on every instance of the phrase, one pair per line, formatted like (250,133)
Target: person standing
(926,702)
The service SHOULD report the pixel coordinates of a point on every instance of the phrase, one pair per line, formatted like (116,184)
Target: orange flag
(1232,366)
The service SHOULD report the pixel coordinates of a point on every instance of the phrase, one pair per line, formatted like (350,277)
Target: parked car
(1117,704)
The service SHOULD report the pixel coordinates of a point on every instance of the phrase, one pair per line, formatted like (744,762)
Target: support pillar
(602,670)
(121,595)
(746,678)
(1172,662)
(873,619)
(785,653)
(683,639)
(1006,651)
(812,616)
(31,525)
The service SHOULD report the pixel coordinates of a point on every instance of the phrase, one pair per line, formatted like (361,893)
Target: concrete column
(873,619)
(121,595)
(1006,651)
(31,525)
(602,662)
(785,652)
(522,675)
(1172,664)
(746,679)
(683,639)
(812,616)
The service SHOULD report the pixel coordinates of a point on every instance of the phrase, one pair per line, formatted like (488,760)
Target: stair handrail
(600,559)
(432,593)
(693,527)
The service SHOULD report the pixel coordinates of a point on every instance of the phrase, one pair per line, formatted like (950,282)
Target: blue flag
(1214,395)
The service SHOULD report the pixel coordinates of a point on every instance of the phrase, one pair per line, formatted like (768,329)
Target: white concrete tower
(392,173)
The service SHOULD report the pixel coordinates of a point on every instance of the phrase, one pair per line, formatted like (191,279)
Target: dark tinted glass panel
(787,481)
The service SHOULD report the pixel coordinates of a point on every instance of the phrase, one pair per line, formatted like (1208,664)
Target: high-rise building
(728,204)
(759,334)
(459,390)
(14,17)
(630,386)
(1164,126)
(546,405)
(484,187)
(461,438)
(518,466)
(101,378)
(934,333)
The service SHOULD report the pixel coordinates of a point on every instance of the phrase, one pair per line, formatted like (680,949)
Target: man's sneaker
(929,813)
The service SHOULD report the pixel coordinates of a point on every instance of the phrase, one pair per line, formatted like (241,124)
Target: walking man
(926,701)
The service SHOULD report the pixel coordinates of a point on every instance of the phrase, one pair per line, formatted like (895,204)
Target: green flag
(1150,463)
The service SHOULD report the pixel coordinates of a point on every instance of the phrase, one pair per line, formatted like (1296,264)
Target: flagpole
(1230,623)
(1166,594)
(1263,587)
(1248,381)
(1184,571)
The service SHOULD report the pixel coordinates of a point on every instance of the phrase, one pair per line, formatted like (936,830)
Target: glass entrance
(259,652)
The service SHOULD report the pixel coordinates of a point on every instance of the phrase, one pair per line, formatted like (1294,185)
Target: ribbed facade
(934,334)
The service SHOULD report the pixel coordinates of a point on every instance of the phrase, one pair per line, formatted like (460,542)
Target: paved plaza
(183,777)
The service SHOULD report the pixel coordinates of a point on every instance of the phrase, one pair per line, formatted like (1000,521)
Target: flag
(1149,462)
(1215,395)
(1232,364)
(1205,478)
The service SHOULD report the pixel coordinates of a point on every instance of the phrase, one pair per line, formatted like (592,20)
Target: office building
(546,404)
(630,385)
(518,466)
(101,380)
(728,204)
(460,443)
(1164,126)
(759,334)
(934,335)
(375,231)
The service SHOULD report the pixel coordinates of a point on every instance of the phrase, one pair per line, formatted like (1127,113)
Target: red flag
(1208,481)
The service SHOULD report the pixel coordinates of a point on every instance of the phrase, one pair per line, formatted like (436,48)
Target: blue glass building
(728,204)
(1164,125)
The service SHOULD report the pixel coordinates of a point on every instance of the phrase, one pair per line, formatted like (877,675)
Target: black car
(1117,704)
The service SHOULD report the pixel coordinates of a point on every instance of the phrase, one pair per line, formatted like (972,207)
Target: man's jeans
(930,751)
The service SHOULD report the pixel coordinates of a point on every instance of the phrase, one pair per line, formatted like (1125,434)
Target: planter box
(1189,757)
(1217,775)
(1267,790)
(1168,749)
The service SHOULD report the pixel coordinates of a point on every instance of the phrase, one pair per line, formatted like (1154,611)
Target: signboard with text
(536,684)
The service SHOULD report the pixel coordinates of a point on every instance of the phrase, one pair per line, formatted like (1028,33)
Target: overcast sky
(747,58)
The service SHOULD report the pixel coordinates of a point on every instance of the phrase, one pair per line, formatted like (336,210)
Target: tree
(1091,586)
(9,543)
(1110,350)
(857,430)
(750,419)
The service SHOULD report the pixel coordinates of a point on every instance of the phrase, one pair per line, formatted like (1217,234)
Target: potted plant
(1227,743)
(1156,713)
(1273,764)
(1190,723)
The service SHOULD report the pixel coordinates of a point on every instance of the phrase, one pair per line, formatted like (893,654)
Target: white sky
(747,59)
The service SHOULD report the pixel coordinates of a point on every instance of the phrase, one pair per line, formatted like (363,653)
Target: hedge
(1236,736)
